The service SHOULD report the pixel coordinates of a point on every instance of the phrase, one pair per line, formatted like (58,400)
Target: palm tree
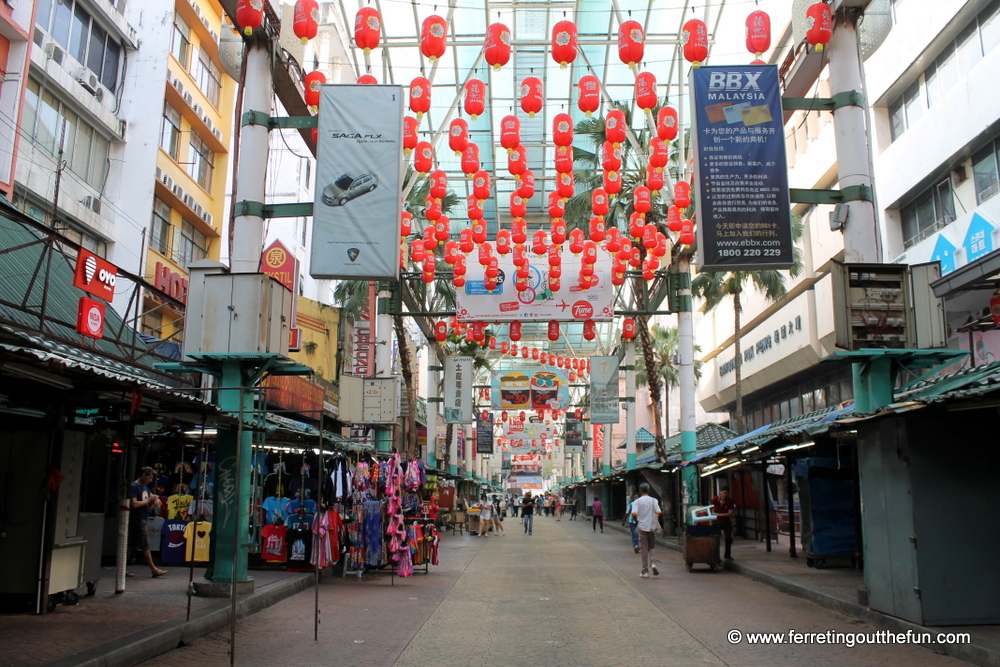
(664,342)
(715,286)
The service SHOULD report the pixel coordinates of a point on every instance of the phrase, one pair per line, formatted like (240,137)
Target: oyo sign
(95,275)
(90,318)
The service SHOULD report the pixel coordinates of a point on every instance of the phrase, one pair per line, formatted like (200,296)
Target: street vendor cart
(701,545)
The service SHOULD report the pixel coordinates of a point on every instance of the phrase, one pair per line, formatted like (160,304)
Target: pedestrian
(646,511)
(572,511)
(632,525)
(512,506)
(598,514)
(485,516)
(558,508)
(139,501)
(497,517)
(723,507)
(546,504)
(528,512)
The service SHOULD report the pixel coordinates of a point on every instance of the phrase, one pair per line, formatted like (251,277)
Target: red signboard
(598,441)
(291,392)
(281,265)
(94,275)
(90,318)
(170,282)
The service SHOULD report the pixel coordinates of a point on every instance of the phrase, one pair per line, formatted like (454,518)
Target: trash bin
(701,545)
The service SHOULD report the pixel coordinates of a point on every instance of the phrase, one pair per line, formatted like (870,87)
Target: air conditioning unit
(188,98)
(214,35)
(159,174)
(167,181)
(179,86)
(178,191)
(88,80)
(207,217)
(197,9)
(208,122)
(188,200)
(99,94)
(93,203)
(204,22)
(217,133)
(198,110)
(198,210)
(52,50)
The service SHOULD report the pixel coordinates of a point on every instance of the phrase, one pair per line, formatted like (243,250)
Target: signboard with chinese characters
(530,389)
(741,177)
(276,261)
(484,433)
(604,402)
(457,390)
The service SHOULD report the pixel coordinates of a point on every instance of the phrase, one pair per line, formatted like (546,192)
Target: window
(78,36)
(208,77)
(192,246)
(170,131)
(61,19)
(180,41)
(931,210)
(201,162)
(941,75)
(70,24)
(984,170)
(159,227)
(989,26)
(152,322)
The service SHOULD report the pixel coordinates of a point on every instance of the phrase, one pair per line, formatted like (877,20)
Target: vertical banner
(604,402)
(574,434)
(484,433)
(741,176)
(356,214)
(458,390)
(442,449)
(598,442)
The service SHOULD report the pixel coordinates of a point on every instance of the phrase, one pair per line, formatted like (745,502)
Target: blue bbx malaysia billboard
(741,177)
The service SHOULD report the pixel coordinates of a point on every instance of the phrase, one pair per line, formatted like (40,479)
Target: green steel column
(383,440)
(873,384)
(690,473)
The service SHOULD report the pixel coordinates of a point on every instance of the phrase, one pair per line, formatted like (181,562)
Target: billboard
(538,302)
(741,177)
(539,388)
(356,211)
(574,435)
(458,390)
(484,433)
(604,401)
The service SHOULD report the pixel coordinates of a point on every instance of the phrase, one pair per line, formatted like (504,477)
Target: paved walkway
(564,596)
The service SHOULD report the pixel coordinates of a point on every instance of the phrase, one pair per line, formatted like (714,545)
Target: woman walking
(498,518)
(485,516)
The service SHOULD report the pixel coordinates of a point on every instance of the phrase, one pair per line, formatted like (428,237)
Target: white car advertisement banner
(356,213)
(537,302)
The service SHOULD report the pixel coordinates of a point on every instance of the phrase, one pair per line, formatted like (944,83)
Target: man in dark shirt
(139,501)
(723,506)
(528,512)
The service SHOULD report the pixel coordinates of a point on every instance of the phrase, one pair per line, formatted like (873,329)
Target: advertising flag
(484,433)
(604,402)
(458,390)
(530,389)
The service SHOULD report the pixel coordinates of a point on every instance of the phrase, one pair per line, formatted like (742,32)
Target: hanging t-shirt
(275,510)
(308,487)
(202,509)
(299,537)
(273,548)
(177,506)
(197,534)
(154,525)
(294,506)
(172,541)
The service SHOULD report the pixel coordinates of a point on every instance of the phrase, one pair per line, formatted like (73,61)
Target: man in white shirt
(646,511)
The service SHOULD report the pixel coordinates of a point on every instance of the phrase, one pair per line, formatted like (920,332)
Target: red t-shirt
(720,505)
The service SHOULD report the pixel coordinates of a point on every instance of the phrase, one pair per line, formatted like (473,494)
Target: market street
(563,596)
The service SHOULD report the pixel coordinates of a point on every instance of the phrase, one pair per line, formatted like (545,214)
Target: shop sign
(363,348)
(604,402)
(458,390)
(441,447)
(170,282)
(90,318)
(276,261)
(291,392)
(95,275)
(763,345)
(598,441)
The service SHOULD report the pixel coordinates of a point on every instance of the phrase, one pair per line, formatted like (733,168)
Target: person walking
(598,514)
(646,511)
(723,507)
(139,501)
(632,525)
(512,506)
(485,516)
(528,513)
(498,518)
(559,508)
(546,504)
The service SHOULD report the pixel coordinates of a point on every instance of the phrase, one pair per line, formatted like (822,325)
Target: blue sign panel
(978,239)
(944,252)
(741,175)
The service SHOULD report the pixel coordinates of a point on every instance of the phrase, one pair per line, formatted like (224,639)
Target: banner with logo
(604,401)
(532,483)
(356,213)
(741,177)
(538,302)
(539,388)
(95,275)
(458,390)
(484,433)
(574,435)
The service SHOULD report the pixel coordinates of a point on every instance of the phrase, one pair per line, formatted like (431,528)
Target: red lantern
(636,223)
(590,94)
(558,231)
(439,184)
(249,15)
(367,29)
(420,96)
(479,232)
(510,132)
(674,219)
(527,189)
(995,307)
(645,91)
(589,330)
(504,348)
(556,207)
(564,159)
(440,331)
(441,229)
(430,266)
(535,353)
(312,82)
(423,157)
(553,281)
(458,135)
(666,124)
(519,232)
(614,126)
(531,95)
(641,199)
(628,328)
(450,252)
(819,23)
(465,242)
(538,244)
(503,415)
(514,331)
(433,35)
(631,42)
(554,330)
(564,42)
(485,251)
(417,253)
(611,156)
(694,37)
(555,256)
(430,240)
(758,33)
(517,161)
(481,185)
(518,207)
(687,232)
(368,79)
(475,97)
(597,229)
(654,178)
(410,125)
(635,261)
(565,185)
(406,219)
(503,241)
(614,244)
(682,194)
(612,182)
(599,202)
(562,129)
(473,207)
(649,236)
(497,48)
(470,159)
(658,154)
(305,19)
(492,268)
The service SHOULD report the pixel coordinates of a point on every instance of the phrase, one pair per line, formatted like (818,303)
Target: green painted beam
(850,193)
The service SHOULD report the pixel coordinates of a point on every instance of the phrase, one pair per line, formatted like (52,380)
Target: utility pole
(685,343)
(630,405)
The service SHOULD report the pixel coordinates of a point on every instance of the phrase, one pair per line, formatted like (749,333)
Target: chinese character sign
(458,390)
(741,176)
